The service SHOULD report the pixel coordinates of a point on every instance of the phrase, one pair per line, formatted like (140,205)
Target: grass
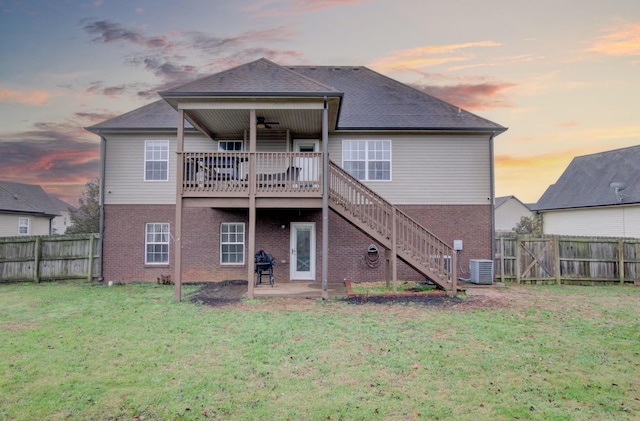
(382,287)
(78,351)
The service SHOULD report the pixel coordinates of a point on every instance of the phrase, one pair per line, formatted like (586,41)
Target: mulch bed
(220,294)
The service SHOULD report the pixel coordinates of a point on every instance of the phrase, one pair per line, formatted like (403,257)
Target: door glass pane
(303,249)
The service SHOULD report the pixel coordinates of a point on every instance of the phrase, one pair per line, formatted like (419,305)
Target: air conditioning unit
(481,271)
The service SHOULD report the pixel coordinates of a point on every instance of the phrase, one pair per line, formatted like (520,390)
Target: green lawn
(78,351)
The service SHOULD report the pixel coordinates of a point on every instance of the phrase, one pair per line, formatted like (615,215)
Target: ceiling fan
(262,123)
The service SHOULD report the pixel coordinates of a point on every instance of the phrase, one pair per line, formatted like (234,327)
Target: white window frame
(156,237)
(231,172)
(153,155)
(367,157)
(24,222)
(226,241)
(221,142)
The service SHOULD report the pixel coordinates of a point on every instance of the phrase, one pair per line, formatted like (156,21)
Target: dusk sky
(562,75)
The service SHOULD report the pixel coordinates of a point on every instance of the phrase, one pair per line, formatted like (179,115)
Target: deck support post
(251,234)
(177,276)
(325,201)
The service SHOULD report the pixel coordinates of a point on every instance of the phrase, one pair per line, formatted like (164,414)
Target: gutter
(103,150)
(492,197)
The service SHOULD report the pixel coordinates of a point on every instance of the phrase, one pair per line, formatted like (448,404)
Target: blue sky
(562,75)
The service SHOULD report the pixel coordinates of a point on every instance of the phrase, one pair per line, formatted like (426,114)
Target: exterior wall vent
(481,271)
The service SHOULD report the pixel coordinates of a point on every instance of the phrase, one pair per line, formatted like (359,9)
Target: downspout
(103,158)
(492,198)
(325,200)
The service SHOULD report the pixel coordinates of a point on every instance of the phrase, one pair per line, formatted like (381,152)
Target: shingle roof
(158,115)
(370,100)
(257,77)
(587,181)
(25,198)
(59,205)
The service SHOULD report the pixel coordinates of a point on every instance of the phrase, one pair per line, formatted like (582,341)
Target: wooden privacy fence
(567,260)
(49,258)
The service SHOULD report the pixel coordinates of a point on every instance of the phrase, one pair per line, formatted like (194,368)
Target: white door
(309,167)
(303,250)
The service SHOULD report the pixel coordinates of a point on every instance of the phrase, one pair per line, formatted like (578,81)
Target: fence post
(36,260)
(556,257)
(517,252)
(502,259)
(621,261)
(90,268)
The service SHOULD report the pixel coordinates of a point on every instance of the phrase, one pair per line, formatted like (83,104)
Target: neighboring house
(62,222)
(597,195)
(25,209)
(296,161)
(509,210)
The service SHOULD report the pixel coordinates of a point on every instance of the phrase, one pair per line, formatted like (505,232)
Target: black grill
(264,267)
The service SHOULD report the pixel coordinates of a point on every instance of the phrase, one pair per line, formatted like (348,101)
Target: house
(509,210)
(597,195)
(338,172)
(25,209)
(62,222)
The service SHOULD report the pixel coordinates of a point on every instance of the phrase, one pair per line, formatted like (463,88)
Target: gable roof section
(369,100)
(374,101)
(60,205)
(261,77)
(587,181)
(499,201)
(158,115)
(25,198)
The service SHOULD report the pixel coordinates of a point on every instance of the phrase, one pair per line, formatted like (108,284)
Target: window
(230,145)
(156,160)
(232,243)
(367,159)
(23,226)
(156,243)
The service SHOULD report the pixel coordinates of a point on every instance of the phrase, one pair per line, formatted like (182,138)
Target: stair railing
(413,241)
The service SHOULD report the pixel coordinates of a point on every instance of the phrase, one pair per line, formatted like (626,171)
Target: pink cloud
(480,96)
(428,56)
(622,42)
(293,7)
(29,97)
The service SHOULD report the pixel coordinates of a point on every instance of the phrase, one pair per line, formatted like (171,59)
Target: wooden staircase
(395,230)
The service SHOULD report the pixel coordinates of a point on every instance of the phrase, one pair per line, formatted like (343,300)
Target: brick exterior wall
(124,250)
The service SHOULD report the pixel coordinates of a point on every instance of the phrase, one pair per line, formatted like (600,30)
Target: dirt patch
(231,293)
(216,294)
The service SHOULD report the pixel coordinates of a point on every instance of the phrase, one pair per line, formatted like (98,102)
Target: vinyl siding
(124,171)
(434,170)
(509,214)
(615,221)
(38,225)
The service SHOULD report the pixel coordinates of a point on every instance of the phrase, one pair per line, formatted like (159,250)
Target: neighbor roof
(25,198)
(370,100)
(499,201)
(587,181)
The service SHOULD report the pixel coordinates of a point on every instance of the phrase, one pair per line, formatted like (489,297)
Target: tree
(85,218)
(529,225)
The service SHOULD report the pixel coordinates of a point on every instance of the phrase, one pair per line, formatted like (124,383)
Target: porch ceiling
(219,121)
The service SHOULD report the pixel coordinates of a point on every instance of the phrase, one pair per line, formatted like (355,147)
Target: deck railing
(277,173)
(412,241)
